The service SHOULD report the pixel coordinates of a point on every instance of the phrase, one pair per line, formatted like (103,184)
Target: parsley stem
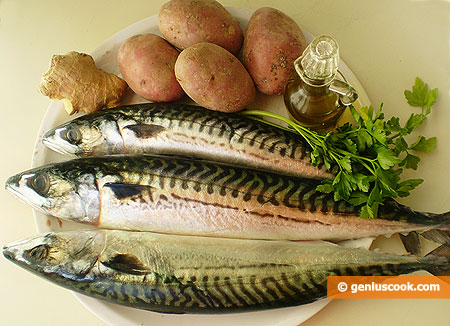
(394,136)
(345,153)
(313,139)
(368,168)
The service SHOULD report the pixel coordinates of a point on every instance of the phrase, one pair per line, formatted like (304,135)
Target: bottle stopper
(319,61)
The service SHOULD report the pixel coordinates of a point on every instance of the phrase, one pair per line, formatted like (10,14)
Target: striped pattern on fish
(179,274)
(174,195)
(158,128)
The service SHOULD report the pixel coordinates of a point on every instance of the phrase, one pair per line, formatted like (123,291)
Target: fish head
(69,254)
(63,190)
(85,136)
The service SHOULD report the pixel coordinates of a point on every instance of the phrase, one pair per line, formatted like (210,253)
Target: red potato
(146,62)
(272,43)
(214,78)
(187,22)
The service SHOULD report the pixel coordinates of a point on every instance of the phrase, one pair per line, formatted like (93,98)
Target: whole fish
(156,128)
(174,195)
(179,274)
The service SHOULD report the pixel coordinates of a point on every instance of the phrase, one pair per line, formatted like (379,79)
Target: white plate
(105,58)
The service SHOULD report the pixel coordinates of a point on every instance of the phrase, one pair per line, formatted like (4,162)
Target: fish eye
(37,253)
(40,183)
(72,135)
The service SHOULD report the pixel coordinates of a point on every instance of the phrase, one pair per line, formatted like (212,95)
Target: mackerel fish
(174,195)
(192,131)
(187,274)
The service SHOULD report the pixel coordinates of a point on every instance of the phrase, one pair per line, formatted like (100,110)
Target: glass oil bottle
(313,96)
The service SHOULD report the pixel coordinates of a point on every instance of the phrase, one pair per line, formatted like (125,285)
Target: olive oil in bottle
(313,96)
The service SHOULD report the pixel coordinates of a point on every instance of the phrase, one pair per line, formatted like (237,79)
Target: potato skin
(187,22)
(146,62)
(272,43)
(214,78)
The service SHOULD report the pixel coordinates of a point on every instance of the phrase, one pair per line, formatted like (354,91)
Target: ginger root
(74,79)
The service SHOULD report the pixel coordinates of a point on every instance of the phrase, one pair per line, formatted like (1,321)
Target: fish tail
(411,242)
(440,234)
(440,261)
(437,236)
(445,221)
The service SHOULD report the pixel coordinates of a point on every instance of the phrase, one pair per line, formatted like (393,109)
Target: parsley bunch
(370,155)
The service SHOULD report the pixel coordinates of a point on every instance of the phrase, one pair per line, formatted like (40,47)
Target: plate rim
(38,157)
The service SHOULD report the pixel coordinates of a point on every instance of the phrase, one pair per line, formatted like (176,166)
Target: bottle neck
(315,87)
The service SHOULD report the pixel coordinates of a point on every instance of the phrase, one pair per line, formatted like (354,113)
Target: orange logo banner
(388,287)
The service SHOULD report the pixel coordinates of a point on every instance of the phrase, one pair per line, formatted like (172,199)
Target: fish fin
(126,263)
(123,191)
(443,254)
(437,236)
(129,206)
(145,130)
(411,242)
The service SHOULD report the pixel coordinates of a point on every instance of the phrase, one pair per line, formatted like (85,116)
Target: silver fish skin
(192,131)
(186,274)
(173,195)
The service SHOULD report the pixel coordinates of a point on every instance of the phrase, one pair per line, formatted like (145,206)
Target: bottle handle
(347,94)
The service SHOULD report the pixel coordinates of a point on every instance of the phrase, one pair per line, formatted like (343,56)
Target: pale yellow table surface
(386,44)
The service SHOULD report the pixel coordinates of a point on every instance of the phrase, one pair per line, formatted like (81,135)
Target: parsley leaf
(386,157)
(414,122)
(410,161)
(424,145)
(406,186)
(400,145)
(358,198)
(431,99)
(421,96)
(325,187)
(362,181)
(379,135)
(418,96)
(363,140)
